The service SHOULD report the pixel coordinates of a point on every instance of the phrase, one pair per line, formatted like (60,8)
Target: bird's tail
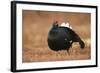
(82,44)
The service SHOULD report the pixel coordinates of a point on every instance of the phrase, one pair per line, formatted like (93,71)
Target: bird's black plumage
(61,38)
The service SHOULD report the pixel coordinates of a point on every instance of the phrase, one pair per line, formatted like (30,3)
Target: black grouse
(62,38)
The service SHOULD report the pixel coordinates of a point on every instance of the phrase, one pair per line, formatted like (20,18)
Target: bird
(62,38)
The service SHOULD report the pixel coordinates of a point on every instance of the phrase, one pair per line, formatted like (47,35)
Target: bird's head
(55,24)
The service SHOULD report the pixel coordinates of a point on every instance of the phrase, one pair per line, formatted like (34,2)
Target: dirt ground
(36,25)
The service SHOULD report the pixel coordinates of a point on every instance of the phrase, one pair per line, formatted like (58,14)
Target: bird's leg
(68,52)
(64,52)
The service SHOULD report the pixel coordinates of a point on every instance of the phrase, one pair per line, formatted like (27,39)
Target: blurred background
(36,25)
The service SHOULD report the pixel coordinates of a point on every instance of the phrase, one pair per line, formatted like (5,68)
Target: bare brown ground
(36,25)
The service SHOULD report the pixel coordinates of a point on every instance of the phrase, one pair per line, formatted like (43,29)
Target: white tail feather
(66,25)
